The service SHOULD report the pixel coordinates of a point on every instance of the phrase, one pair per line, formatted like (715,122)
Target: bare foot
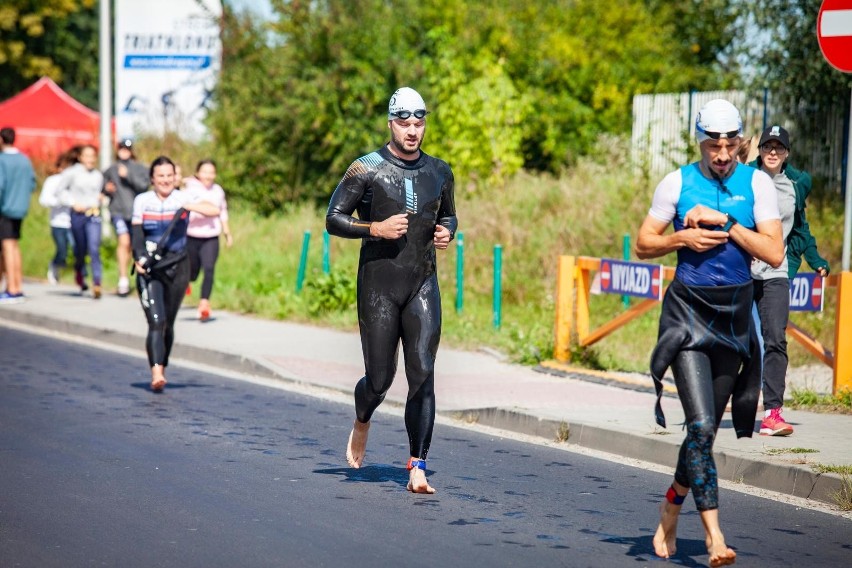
(158,378)
(357,446)
(665,538)
(720,554)
(417,482)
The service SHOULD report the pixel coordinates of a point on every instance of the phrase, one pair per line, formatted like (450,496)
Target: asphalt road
(95,470)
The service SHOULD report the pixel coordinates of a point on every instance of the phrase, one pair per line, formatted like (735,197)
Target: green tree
(510,84)
(52,38)
(786,56)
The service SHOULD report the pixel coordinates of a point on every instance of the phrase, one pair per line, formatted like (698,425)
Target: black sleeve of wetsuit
(447,210)
(137,241)
(339,220)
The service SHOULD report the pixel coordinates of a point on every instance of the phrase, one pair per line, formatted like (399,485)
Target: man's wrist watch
(731,222)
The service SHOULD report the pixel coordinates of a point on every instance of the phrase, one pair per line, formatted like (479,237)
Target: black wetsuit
(398,296)
(163,287)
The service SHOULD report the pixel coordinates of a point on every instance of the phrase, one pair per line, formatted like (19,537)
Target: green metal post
(459,272)
(326,253)
(498,273)
(300,279)
(625,299)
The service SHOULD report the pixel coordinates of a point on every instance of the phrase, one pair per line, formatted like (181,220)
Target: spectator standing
(83,184)
(17,182)
(123,181)
(60,215)
(203,232)
(772,285)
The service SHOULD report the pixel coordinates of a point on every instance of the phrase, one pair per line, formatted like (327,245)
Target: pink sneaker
(774,425)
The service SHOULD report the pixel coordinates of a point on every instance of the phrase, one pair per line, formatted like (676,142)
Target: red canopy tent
(48,121)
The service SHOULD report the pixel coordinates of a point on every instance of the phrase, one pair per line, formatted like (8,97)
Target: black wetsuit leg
(161,296)
(421,333)
(705,381)
(418,324)
(379,322)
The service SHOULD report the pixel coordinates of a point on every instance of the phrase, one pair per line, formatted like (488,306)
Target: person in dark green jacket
(772,284)
(801,241)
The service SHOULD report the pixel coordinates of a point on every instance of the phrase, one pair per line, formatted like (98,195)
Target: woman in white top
(60,215)
(203,233)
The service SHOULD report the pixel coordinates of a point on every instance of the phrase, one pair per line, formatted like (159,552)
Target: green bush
(332,292)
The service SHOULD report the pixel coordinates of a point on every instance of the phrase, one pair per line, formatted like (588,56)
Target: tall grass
(585,211)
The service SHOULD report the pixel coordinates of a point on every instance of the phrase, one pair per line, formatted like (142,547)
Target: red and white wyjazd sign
(834,33)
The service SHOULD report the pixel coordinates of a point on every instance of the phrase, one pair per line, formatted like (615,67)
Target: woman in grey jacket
(772,285)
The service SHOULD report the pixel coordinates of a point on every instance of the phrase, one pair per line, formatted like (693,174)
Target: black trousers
(773,306)
(203,254)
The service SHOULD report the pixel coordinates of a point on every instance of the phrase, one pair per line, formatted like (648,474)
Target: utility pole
(105,70)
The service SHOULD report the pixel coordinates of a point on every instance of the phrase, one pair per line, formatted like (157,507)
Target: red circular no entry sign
(834,32)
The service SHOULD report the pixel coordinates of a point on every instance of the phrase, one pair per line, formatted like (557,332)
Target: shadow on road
(371,473)
(642,548)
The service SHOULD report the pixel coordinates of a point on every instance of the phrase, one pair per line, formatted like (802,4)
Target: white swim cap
(718,119)
(405,99)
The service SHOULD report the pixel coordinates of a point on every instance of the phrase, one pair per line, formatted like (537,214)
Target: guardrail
(573,295)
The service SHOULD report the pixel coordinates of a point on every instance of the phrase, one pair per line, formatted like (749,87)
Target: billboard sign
(167,59)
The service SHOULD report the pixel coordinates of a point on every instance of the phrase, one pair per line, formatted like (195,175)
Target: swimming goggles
(404,114)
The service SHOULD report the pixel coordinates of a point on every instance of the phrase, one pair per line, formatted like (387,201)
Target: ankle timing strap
(419,464)
(673,498)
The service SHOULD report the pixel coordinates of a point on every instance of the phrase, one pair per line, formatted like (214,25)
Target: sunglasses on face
(769,148)
(718,135)
(404,114)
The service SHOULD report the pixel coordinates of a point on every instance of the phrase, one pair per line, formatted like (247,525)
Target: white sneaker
(123,287)
(52,275)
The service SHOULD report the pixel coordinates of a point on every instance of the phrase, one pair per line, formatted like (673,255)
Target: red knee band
(673,498)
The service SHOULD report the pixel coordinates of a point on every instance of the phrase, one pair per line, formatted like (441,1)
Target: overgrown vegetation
(840,402)
(510,85)
(840,469)
(779,451)
(843,496)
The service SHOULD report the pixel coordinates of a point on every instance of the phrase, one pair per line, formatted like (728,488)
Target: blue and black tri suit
(706,331)
(398,296)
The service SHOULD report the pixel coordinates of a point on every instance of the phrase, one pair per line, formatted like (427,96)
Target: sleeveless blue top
(728,263)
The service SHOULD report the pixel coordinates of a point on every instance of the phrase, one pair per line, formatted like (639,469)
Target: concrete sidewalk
(471,386)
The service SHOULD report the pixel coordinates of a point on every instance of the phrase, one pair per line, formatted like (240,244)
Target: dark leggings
(418,324)
(161,296)
(773,307)
(203,254)
(705,381)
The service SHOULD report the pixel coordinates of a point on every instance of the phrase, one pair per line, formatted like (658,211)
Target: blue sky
(259,7)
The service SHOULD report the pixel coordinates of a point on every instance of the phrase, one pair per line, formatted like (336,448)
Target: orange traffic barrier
(573,295)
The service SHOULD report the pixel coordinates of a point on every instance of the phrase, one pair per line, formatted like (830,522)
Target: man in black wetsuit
(404,201)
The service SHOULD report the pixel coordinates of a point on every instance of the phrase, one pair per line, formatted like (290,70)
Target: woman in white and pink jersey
(203,232)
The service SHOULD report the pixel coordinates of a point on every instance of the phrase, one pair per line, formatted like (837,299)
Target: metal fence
(664,129)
